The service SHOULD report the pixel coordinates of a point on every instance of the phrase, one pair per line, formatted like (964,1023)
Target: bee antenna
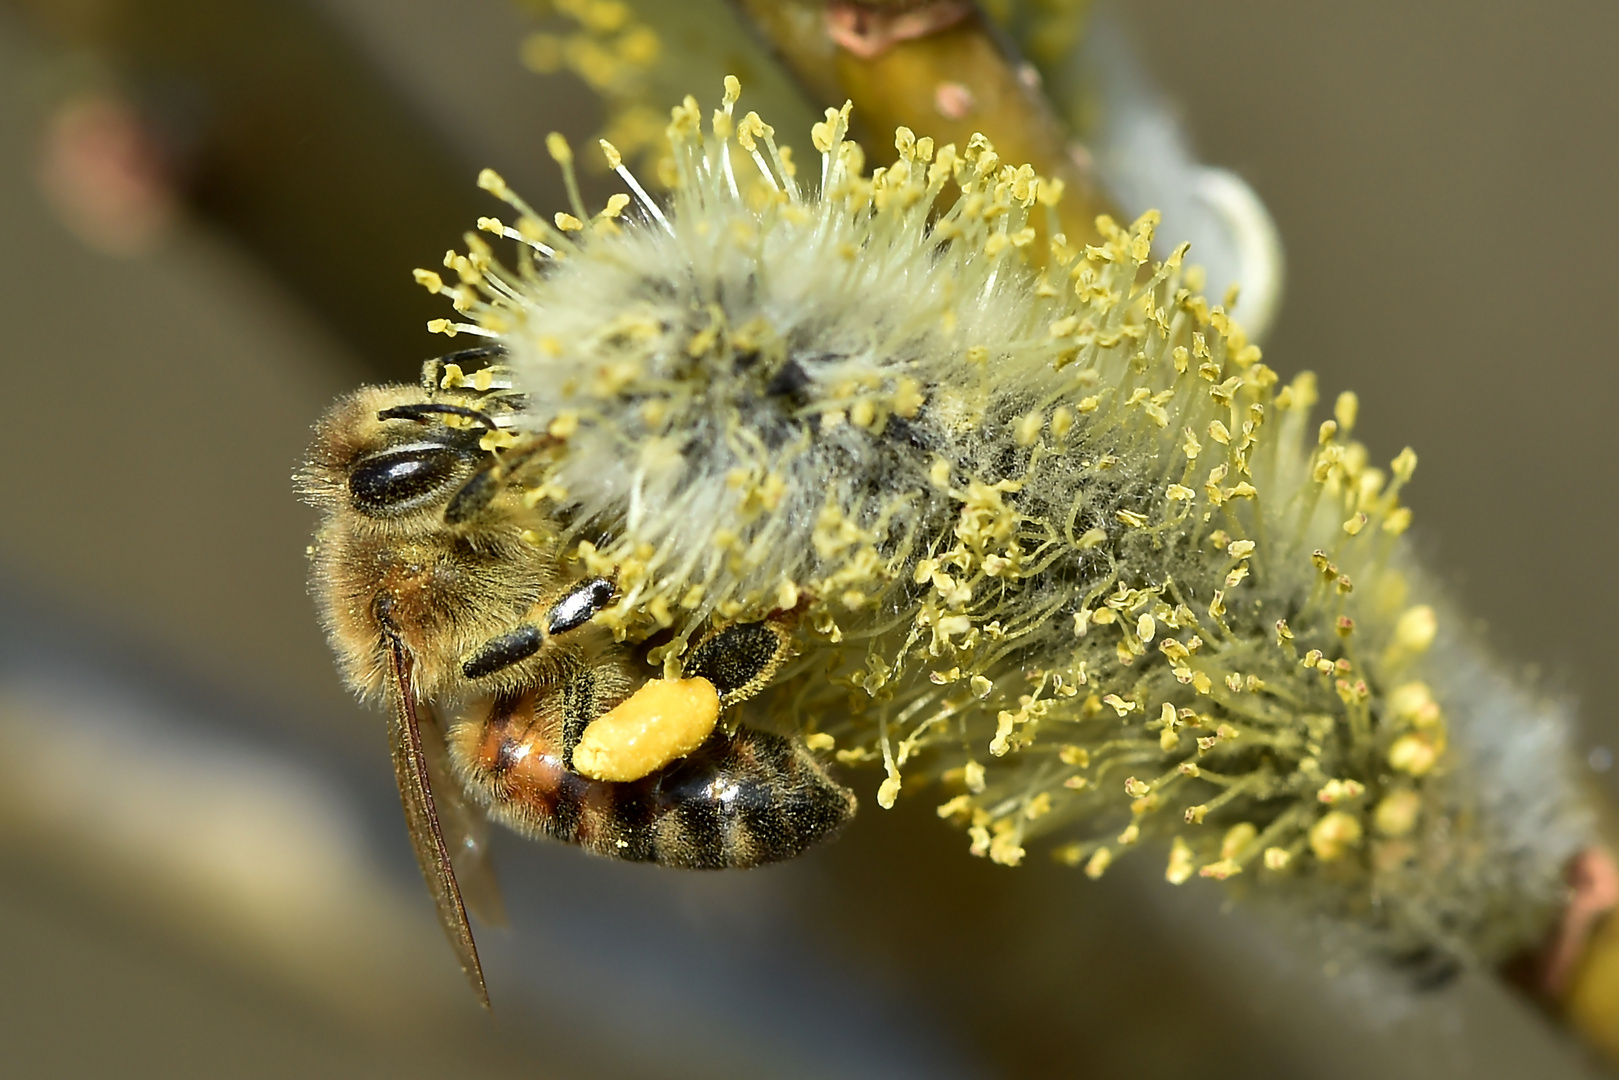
(477,352)
(433,369)
(425,409)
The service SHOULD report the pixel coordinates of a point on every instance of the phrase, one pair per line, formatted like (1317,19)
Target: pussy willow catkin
(1058,544)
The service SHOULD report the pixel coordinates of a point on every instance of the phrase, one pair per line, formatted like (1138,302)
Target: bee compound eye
(396,478)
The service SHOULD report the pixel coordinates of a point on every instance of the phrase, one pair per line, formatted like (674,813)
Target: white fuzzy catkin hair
(1053,537)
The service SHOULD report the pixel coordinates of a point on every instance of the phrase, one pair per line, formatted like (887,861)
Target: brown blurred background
(208,215)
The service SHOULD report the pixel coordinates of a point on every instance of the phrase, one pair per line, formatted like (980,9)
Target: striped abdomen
(740,800)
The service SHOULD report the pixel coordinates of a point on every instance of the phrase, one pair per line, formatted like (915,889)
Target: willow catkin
(1057,543)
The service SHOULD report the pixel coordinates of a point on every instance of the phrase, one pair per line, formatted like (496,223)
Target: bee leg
(577,606)
(738,661)
(573,610)
(433,370)
(501,652)
(475,495)
(579,708)
(741,659)
(480,490)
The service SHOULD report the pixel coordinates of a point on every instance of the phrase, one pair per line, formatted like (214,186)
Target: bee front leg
(573,610)
(499,653)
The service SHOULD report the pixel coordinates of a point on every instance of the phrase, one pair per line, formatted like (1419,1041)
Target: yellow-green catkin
(1062,551)
(635,56)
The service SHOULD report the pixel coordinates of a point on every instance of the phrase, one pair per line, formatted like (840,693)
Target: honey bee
(443,592)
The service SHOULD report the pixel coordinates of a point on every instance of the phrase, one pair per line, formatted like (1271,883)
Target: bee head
(385,453)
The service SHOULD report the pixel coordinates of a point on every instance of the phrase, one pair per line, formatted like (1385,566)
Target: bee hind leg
(741,659)
(666,720)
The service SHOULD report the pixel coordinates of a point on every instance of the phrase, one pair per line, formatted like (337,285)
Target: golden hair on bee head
(1055,536)
(395,471)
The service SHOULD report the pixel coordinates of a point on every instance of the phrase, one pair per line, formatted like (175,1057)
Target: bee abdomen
(741,800)
(744,800)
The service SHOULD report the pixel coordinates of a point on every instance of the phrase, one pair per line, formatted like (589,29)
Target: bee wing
(465,830)
(421,816)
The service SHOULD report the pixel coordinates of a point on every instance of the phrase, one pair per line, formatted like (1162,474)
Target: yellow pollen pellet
(663,721)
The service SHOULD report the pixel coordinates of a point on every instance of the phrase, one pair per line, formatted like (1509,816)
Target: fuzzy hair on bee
(444,595)
(1059,544)
(372,448)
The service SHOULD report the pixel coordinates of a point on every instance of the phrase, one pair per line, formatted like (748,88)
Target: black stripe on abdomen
(750,799)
